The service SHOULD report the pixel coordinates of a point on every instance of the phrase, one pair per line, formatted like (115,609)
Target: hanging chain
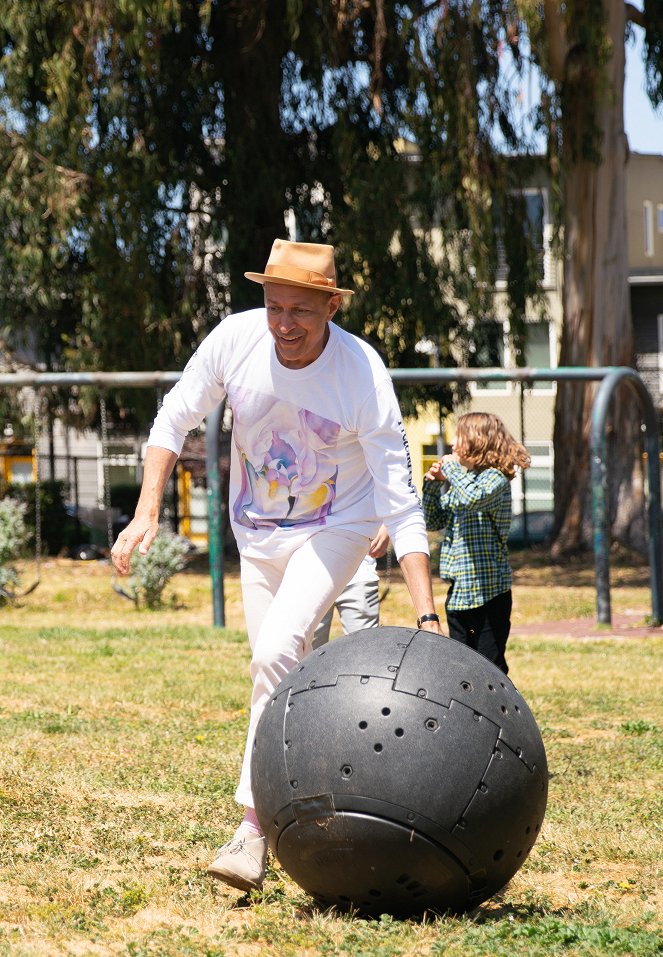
(103,412)
(36,425)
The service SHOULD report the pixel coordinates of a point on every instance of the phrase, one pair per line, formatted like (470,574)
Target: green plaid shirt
(475,511)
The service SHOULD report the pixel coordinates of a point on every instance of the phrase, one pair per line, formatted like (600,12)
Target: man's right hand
(143,528)
(141,532)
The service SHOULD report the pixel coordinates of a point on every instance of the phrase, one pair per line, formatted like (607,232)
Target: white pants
(284,599)
(358,607)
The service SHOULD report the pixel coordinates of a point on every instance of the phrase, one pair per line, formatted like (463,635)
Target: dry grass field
(121,733)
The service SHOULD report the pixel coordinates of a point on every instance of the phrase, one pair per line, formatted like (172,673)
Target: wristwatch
(424,618)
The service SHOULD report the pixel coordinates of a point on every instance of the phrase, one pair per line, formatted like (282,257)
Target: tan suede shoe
(242,861)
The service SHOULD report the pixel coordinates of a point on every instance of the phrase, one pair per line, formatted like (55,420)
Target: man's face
(298,320)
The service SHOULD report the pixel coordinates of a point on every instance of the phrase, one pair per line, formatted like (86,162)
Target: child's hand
(435,473)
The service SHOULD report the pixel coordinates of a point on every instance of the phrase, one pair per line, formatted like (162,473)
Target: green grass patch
(121,736)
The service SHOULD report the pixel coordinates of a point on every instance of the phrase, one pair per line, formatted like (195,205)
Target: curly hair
(486,443)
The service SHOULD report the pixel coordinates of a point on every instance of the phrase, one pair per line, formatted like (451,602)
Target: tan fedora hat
(307,265)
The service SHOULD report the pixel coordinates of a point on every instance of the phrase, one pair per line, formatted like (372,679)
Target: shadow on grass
(491,911)
(490,914)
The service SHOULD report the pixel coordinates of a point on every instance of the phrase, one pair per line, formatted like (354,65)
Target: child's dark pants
(486,628)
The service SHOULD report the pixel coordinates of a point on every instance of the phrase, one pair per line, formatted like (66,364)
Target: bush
(58,529)
(13,534)
(151,573)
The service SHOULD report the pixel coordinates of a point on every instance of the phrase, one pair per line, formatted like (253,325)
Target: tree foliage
(149,149)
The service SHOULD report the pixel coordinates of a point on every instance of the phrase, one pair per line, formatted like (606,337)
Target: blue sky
(644,126)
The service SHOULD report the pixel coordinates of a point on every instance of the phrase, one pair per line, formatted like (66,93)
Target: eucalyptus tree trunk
(597,327)
(253,41)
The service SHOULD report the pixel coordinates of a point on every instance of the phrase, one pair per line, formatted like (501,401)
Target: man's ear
(333,305)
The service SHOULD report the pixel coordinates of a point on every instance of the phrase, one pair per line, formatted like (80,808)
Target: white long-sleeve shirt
(315,447)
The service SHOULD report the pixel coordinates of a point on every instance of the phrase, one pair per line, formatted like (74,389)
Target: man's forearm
(157,468)
(416,572)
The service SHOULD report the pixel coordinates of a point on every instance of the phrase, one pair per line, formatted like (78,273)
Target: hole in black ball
(498,855)
(399,732)
(377,748)
(386,711)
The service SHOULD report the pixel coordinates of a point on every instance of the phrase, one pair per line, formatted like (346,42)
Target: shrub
(13,534)
(151,573)
(58,529)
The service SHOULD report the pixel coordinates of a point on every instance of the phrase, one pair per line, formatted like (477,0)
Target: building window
(648,222)
(487,350)
(660,353)
(538,352)
(537,227)
(659,217)
(536,483)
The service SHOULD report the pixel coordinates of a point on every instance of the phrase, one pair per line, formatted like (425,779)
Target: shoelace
(237,846)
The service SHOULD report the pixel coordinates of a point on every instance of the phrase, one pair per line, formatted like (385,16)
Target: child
(475,510)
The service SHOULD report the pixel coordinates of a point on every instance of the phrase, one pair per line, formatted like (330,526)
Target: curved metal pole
(598,446)
(215,512)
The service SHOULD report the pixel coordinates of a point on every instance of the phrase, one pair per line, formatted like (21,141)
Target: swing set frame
(609,378)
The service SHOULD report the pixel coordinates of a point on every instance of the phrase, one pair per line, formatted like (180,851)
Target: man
(320,460)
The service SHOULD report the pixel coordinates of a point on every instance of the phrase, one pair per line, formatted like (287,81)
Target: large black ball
(395,771)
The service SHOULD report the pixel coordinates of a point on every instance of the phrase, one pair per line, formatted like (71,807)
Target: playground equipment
(396,771)
(610,377)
